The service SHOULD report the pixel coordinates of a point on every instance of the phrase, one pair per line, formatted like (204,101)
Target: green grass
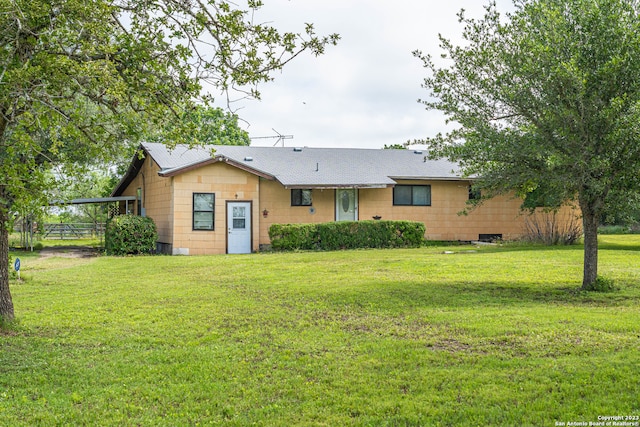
(91,242)
(496,335)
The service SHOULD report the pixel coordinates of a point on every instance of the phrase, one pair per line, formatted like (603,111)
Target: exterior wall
(157,198)
(169,201)
(228,184)
(443,221)
(277,201)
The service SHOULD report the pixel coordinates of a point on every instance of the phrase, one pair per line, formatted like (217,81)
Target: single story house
(223,199)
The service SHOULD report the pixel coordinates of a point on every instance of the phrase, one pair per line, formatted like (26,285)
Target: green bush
(130,234)
(289,237)
(619,229)
(603,284)
(347,235)
(12,272)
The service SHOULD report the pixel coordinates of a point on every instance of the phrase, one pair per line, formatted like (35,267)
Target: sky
(362,93)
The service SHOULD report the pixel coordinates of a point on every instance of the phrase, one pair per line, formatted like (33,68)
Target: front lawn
(480,336)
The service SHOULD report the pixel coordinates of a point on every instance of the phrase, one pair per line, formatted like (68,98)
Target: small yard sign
(16,265)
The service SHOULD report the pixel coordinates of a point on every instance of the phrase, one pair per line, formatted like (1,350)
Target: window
(203,211)
(412,195)
(474,193)
(300,197)
(239,217)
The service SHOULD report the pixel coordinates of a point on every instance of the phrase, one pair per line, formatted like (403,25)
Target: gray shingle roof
(310,167)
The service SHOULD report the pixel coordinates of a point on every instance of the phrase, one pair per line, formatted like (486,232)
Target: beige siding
(277,201)
(228,184)
(156,198)
(444,219)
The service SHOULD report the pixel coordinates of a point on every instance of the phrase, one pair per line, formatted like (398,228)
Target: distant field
(494,335)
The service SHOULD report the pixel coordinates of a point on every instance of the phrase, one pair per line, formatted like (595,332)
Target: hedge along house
(223,199)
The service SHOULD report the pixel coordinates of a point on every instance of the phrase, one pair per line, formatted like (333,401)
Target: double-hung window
(412,195)
(203,211)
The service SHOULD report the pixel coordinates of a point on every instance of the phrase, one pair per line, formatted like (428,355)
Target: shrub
(12,272)
(552,228)
(603,284)
(619,229)
(130,234)
(347,235)
(293,236)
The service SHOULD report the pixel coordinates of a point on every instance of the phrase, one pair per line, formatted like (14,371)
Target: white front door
(239,227)
(347,204)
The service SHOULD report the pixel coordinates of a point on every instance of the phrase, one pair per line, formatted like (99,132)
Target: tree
(549,96)
(79,77)
(205,125)
(396,146)
(94,183)
(201,125)
(624,210)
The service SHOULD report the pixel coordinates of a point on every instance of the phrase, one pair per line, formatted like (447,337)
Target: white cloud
(363,92)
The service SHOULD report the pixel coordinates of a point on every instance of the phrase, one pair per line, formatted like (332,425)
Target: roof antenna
(278,135)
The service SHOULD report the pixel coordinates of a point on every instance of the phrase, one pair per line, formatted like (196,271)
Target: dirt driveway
(69,252)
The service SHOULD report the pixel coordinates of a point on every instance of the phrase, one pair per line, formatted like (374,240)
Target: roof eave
(132,171)
(186,168)
(93,200)
(335,186)
(431,178)
(249,169)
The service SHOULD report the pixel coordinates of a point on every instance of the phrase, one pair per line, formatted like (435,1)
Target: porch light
(265,213)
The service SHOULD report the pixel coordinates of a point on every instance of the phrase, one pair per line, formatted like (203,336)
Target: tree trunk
(590,228)
(6,303)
